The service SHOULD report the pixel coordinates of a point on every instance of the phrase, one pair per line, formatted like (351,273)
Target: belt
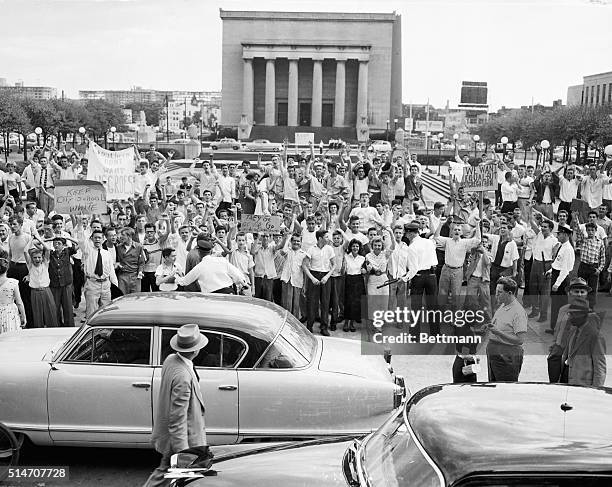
(453,267)
(425,272)
(39,289)
(97,279)
(523,197)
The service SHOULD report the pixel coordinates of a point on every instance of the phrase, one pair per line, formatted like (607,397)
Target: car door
(100,390)
(216,366)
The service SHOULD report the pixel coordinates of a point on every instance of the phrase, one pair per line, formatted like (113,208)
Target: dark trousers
(587,272)
(277,291)
(504,362)
(337,298)
(225,290)
(527,298)
(558,298)
(441,255)
(458,364)
(19,271)
(317,300)
(147,283)
(424,285)
(509,206)
(78,281)
(264,288)
(62,295)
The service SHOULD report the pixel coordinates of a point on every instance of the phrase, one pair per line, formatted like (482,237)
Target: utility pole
(167,121)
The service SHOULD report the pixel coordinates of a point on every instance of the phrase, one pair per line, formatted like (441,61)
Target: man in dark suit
(585,355)
(179,417)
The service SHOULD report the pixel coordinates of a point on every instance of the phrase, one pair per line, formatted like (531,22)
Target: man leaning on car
(179,420)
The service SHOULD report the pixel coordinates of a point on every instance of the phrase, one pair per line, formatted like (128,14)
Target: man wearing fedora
(179,419)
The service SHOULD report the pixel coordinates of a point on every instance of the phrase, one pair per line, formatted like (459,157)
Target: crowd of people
(347,228)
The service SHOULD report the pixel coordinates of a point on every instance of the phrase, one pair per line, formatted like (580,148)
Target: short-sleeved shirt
(320,258)
(510,319)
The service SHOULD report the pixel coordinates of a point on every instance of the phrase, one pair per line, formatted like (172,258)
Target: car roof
(255,317)
(498,428)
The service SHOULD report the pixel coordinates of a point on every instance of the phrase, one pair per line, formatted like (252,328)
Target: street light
(476,139)
(82,132)
(544,145)
(395,120)
(440,137)
(427,135)
(38,131)
(504,141)
(113,130)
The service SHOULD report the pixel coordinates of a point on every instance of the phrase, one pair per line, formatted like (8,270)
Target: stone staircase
(436,183)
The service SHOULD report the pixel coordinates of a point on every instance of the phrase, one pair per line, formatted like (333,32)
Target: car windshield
(391,458)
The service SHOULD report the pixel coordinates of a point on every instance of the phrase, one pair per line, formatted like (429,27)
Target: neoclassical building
(328,73)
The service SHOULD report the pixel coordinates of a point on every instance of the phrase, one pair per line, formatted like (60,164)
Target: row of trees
(582,127)
(57,118)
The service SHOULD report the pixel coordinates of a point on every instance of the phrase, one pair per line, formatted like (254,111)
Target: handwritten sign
(76,197)
(480,178)
(304,138)
(115,169)
(260,223)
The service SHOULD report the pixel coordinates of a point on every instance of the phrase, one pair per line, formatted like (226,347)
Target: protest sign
(480,178)
(80,197)
(304,138)
(260,224)
(114,169)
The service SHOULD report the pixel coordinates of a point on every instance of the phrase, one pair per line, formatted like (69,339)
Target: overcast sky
(523,49)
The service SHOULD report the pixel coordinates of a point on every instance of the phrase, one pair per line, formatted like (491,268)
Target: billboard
(431,126)
(474,93)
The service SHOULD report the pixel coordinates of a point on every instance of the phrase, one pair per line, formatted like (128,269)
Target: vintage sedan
(489,434)
(263,145)
(226,143)
(263,375)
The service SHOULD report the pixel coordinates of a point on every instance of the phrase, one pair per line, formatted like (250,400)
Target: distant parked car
(263,145)
(225,143)
(381,146)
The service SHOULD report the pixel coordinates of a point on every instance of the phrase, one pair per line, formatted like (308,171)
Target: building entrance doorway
(305,114)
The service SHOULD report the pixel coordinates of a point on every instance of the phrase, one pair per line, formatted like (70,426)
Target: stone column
(317,92)
(270,93)
(292,106)
(362,91)
(247,90)
(340,87)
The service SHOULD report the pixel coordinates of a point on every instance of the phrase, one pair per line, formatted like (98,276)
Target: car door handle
(142,385)
(228,388)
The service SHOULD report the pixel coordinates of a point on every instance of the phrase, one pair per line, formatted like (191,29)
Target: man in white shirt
(422,262)
(398,270)
(543,247)
(563,264)
(509,193)
(600,233)
(368,216)
(292,277)
(525,192)
(226,186)
(568,187)
(214,274)
(318,267)
(505,257)
(591,187)
(262,250)
(352,232)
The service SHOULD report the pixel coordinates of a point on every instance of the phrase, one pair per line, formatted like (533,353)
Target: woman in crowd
(354,286)
(12,312)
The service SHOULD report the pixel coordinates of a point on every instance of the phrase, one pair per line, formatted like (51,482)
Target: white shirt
(353,265)
(360,237)
(421,256)
(510,252)
(164,271)
(227,187)
(542,248)
(592,190)
(321,259)
(309,239)
(568,189)
(509,192)
(398,261)
(368,218)
(212,274)
(524,187)
(292,270)
(456,250)
(564,262)
(90,258)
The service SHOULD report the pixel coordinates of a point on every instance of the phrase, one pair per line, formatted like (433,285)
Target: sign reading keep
(80,197)
(260,223)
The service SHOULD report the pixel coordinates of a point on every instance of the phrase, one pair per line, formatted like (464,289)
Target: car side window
(129,346)
(281,355)
(221,350)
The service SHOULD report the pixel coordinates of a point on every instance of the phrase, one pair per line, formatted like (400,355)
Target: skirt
(354,290)
(374,282)
(9,318)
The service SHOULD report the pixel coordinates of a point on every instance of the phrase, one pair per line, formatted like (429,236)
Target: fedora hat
(188,339)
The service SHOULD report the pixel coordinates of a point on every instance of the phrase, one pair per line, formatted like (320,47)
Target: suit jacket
(586,355)
(179,419)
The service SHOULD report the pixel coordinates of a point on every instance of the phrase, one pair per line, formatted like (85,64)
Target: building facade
(311,69)
(596,90)
(147,96)
(19,90)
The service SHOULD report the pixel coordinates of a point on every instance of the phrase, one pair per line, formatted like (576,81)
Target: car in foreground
(263,375)
(263,145)
(226,143)
(482,434)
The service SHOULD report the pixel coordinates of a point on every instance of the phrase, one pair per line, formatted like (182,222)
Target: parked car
(459,435)
(226,143)
(381,146)
(263,374)
(263,145)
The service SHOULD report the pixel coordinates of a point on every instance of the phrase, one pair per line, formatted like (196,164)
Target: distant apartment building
(19,90)
(595,90)
(142,95)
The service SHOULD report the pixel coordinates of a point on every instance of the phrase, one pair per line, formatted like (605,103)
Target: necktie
(99,270)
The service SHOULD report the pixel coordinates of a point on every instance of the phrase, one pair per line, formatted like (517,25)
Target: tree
(42,113)
(104,115)
(13,118)
(71,116)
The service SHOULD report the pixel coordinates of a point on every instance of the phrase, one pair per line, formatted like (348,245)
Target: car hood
(298,464)
(31,345)
(345,356)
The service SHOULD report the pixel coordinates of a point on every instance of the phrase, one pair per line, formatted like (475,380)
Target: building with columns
(327,73)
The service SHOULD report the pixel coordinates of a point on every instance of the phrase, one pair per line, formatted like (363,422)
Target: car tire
(213,147)
(235,148)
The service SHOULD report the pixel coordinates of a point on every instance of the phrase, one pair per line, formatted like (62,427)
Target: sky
(524,49)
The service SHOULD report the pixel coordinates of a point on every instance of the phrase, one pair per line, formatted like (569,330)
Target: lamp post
(427,135)
(504,141)
(113,130)
(476,138)
(440,137)
(544,145)
(82,132)
(137,137)
(395,120)
(387,132)
(38,131)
